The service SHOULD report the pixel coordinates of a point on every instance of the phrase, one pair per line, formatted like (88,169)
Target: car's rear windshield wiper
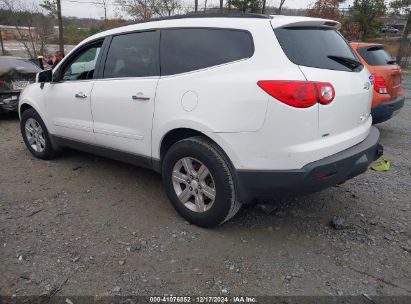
(391,61)
(352,64)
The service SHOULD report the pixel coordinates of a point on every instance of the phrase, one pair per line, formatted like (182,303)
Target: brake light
(1,82)
(299,94)
(380,86)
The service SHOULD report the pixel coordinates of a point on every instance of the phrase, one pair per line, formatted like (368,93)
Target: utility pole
(60,24)
(196,6)
(221,6)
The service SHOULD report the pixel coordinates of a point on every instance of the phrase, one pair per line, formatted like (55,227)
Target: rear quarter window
(376,55)
(190,49)
(312,46)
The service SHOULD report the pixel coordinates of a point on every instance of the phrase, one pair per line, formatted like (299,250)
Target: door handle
(140,96)
(80,95)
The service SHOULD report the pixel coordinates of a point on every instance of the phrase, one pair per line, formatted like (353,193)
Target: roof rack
(201,15)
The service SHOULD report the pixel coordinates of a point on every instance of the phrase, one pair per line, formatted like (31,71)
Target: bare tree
(146,9)
(33,30)
(196,6)
(53,7)
(205,5)
(137,9)
(221,6)
(263,7)
(166,7)
(104,5)
(280,7)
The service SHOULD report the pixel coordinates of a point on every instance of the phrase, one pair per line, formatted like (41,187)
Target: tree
(113,23)
(221,6)
(38,27)
(166,7)
(327,9)
(367,13)
(137,9)
(403,7)
(104,5)
(250,6)
(53,7)
(351,30)
(146,9)
(3,52)
(280,7)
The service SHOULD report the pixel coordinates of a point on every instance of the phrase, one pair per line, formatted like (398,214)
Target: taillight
(325,92)
(1,82)
(380,86)
(299,94)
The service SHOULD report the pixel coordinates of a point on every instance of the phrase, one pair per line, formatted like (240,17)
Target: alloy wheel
(193,184)
(35,135)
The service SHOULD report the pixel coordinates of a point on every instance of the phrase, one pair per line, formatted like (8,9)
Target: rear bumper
(312,177)
(9,101)
(386,110)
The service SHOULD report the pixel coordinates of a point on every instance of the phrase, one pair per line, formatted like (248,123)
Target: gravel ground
(85,225)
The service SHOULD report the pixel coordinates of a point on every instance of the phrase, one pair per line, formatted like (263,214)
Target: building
(10,32)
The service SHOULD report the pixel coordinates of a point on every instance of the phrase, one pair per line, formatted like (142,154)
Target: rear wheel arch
(175,135)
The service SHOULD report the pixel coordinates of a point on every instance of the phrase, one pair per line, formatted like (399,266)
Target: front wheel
(199,183)
(35,135)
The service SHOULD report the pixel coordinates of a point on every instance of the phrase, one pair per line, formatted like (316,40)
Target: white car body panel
(256,131)
(121,122)
(70,117)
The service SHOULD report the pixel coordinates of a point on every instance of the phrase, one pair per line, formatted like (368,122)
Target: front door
(67,99)
(123,100)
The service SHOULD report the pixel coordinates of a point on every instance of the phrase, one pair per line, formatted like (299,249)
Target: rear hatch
(323,55)
(381,63)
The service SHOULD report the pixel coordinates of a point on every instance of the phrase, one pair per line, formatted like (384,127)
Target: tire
(39,134)
(200,208)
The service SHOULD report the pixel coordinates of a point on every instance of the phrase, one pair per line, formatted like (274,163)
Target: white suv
(228,108)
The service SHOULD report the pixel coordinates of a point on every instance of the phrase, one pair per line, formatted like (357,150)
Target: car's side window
(82,66)
(189,49)
(133,55)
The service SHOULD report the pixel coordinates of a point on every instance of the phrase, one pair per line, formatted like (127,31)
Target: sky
(87,8)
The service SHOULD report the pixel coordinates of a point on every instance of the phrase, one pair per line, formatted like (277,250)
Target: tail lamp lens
(325,92)
(299,94)
(380,86)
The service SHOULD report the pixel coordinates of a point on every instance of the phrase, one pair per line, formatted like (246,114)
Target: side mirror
(44,76)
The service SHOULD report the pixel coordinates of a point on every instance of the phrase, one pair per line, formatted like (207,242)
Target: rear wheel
(35,135)
(199,183)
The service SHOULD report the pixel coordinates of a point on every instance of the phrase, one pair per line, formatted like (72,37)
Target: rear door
(122,101)
(381,63)
(323,55)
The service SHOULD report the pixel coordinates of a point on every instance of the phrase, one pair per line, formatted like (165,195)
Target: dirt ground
(85,225)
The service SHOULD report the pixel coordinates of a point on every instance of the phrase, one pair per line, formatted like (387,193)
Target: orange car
(389,96)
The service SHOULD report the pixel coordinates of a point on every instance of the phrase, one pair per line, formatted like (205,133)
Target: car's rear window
(190,49)
(313,46)
(19,64)
(376,55)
